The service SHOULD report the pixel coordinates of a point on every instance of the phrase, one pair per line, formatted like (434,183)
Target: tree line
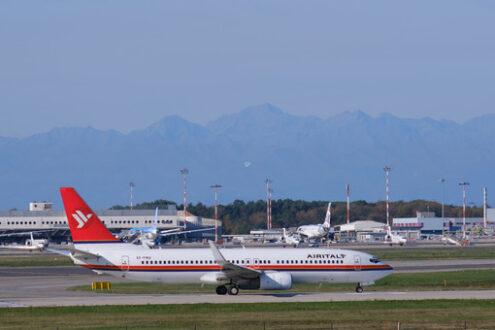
(240,217)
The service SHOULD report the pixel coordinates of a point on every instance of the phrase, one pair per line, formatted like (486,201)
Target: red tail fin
(85,226)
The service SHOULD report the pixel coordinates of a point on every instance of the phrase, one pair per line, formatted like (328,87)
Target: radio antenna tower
(268,204)
(387,171)
(216,186)
(131,184)
(270,208)
(348,205)
(463,184)
(185,172)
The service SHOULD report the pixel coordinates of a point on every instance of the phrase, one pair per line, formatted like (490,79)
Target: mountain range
(306,157)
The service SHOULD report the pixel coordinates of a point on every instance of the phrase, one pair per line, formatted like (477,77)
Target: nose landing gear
(359,288)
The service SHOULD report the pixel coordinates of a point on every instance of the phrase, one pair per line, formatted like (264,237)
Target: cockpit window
(374,260)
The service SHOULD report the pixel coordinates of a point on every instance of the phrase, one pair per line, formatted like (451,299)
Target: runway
(47,286)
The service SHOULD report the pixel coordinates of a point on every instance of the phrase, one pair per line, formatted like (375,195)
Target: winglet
(219,258)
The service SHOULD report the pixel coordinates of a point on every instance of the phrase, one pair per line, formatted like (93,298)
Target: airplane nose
(388,267)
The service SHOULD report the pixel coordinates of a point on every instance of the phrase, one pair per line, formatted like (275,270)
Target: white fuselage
(186,265)
(312,231)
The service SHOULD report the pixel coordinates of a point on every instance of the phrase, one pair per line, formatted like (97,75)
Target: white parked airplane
(230,269)
(394,239)
(149,236)
(31,243)
(312,232)
(289,239)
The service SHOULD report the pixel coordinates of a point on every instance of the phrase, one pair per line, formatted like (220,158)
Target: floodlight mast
(464,184)
(387,171)
(216,186)
(185,172)
(131,184)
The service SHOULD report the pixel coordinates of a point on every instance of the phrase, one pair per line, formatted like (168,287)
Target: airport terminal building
(41,217)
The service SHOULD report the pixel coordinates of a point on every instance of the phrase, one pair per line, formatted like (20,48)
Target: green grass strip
(425,314)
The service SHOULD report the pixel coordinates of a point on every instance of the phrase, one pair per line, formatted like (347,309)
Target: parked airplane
(312,232)
(289,239)
(258,268)
(31,243)
(149,236)
(394,239)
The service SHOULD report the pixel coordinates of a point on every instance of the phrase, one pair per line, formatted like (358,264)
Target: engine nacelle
(217,278)
(275,281)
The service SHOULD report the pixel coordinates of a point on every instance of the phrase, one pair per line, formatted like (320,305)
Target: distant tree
(240,217)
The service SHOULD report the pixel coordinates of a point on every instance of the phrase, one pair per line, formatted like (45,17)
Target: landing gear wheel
(359,288)
(222,289)
(233,290)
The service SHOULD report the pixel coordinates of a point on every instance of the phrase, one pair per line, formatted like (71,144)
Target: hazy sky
(126,64)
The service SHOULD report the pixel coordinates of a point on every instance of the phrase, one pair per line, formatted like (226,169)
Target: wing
(231,270)
(169,233)
(27,233)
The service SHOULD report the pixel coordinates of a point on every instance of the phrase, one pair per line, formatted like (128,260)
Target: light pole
(216,186)
(185,172)
(464,184)
(442,181)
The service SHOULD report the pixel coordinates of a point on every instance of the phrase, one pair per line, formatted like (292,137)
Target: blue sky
(125,64)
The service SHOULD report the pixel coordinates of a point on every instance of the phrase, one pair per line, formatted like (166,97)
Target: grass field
(432,253)
(425,314)
(456,280)
(35,261)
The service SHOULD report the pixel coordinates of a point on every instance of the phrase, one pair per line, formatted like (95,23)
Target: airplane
(289,239)
(312,232)
(394,239)
(149,236)
(31,243)
(230,269)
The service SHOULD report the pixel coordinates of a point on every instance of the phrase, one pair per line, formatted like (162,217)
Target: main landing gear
(233,290)
(359,288)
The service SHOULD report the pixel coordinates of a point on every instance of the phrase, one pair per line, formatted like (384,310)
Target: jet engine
(275,281)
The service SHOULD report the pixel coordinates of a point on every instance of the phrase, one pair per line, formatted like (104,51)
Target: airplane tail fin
(85,226)
(156,217)
(389,231)
(326,224)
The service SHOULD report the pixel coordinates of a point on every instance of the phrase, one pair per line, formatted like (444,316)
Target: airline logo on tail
(81,218)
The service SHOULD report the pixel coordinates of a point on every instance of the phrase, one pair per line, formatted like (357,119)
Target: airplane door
(125,263)
(357,262)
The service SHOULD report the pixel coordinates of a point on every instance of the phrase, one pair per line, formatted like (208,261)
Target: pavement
(47,286)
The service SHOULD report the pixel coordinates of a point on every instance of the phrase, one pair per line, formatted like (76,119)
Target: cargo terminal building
(426,223)
(41,217)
